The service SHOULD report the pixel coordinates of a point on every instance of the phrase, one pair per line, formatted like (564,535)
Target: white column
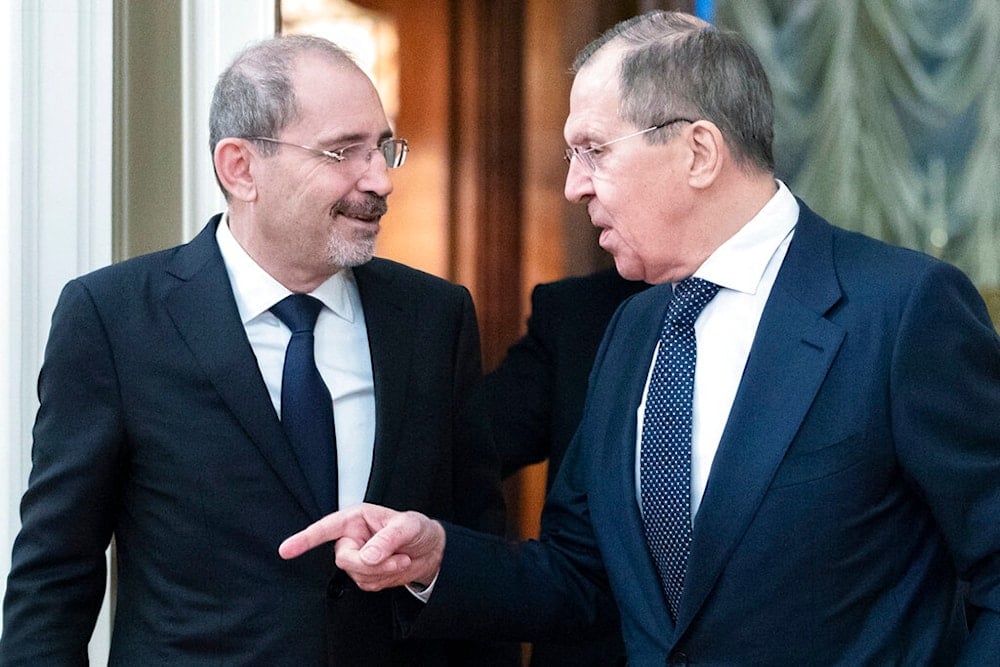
(57,94)
(11,390)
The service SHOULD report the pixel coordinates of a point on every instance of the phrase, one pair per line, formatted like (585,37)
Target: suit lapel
(391,323)
(791,354)
(638,330)
(203,309)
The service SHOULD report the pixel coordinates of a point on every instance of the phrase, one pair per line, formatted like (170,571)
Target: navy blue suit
(857,480)
(156,429)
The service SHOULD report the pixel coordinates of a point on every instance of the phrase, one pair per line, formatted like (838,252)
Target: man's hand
(378,547)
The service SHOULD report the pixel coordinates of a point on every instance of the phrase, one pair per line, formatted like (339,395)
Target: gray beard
(346,251)
(351,252)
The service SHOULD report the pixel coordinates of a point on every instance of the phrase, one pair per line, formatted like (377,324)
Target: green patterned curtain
(888,117)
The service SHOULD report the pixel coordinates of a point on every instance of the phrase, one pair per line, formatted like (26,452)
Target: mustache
(372,206)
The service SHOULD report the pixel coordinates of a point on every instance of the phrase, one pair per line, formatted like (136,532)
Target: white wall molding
(59,178)
(13,391)
(58,196)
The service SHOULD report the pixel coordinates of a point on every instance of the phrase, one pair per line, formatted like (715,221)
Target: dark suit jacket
(535,399)
(155,428)
(858,478)
(537,392)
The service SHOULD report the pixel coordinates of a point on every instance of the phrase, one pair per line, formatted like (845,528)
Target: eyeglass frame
(588,161)
(403,148)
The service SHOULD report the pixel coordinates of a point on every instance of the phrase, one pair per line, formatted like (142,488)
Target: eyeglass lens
(586,158)
(394,151)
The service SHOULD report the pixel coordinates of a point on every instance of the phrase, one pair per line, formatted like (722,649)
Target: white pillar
(57,94)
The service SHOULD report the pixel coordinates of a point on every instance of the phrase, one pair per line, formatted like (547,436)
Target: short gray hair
(255,96)
(676,65)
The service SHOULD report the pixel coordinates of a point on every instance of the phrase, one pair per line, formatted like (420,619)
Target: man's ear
(233,158)
(708,151)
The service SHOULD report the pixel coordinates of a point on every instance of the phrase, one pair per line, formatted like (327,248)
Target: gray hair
(677,66)
(255,96)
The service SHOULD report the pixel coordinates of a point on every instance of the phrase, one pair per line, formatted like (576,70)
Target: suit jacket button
(678,658)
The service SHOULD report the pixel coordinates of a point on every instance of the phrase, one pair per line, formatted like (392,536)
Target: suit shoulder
(869,258)
(855,252)
(873,276)
(129,272)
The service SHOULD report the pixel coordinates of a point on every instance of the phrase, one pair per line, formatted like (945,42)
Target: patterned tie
(665,456)
(306,406)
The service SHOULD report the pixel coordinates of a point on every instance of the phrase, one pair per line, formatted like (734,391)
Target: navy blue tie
(306,406)
(665,454)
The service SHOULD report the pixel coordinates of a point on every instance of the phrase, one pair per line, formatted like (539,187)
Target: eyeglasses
(586,156)
(393,150)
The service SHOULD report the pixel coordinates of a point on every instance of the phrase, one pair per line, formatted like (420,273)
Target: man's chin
(628,270)
(356,255)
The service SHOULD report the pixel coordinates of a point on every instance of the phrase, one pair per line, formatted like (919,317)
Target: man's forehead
(601,72)
(594,99)
(312,67)
(336,94)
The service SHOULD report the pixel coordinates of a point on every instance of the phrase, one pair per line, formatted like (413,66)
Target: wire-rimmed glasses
(585,156)
(393,150)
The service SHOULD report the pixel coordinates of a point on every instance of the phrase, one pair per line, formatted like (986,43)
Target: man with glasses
(201,403)
(790,450)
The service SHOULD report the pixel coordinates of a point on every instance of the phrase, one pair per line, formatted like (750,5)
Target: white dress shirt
(744,267)
(342,354)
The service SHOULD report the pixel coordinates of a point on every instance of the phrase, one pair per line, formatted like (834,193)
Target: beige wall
(148,127)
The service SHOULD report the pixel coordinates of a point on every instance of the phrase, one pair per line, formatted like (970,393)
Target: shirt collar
(256,290)
(740,262)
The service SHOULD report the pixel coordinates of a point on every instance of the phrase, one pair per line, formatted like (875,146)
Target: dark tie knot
(691,295)
(298,312)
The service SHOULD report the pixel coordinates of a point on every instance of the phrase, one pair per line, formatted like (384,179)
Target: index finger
(328,529)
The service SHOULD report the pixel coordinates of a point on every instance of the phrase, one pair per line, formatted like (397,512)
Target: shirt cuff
(421,592)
